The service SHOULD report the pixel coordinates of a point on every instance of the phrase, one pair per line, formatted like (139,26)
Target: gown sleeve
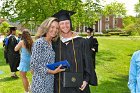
(95,45)
(37,62)
(12,41)
(132,75)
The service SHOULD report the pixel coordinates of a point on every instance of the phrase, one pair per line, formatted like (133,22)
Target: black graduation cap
(12,28)
(64,15)
(89,30)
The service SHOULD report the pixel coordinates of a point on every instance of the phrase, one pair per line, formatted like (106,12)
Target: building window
(107,19)
(107,26)
(116,21)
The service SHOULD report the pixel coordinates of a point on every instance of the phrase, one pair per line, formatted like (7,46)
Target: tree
(4,27)
(88,13)
(35,11)
(127,20)
(137,25)
(133,23)
(115,8)
(137,9)
(133,28)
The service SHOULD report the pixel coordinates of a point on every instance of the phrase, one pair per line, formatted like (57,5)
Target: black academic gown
(5,51)
(93,43)
(13,57)
(83,59)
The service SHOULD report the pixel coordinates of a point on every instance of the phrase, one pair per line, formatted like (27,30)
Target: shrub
(123,34)
(115,33)
(83,35)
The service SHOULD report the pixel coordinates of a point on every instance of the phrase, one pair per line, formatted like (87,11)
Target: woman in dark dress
(13,56)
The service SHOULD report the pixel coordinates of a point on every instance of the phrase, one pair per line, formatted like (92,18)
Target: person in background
(24,46)
(93,44)
(13,56)
(134,73)
(5,43)
(75,50)
(43,54)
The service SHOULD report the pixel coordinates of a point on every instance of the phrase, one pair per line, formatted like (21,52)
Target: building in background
(108,23)
(105,24)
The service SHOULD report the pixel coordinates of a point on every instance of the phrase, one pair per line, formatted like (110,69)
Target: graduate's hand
(83,85)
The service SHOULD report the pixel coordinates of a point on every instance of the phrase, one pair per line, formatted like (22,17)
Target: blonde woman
(42,54)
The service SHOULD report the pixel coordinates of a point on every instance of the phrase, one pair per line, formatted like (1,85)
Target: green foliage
(134,28)
(115,8)
(35,11)
(128,20)
(90,11)
(83,35)
(115,33)
(107,34)
(137,25)
(4,27)
(137,8)
(124,34)
(18,32)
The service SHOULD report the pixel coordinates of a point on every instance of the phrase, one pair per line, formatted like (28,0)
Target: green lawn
(112,66)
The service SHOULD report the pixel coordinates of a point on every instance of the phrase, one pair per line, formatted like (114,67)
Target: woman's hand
(83,85)
(57,70)
(18,46)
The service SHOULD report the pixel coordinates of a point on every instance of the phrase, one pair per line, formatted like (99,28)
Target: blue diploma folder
(65,64)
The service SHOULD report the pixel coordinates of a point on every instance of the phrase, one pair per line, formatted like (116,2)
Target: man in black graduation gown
(75,49)
(13,56)
(93,44)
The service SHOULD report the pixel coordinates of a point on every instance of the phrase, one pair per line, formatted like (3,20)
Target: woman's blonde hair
(44,27)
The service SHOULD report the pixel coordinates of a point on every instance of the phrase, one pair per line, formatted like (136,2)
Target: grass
(7,84)
(112,66)
(113,60)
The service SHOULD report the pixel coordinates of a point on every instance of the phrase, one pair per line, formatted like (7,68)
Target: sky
(129,4)
(0,3)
